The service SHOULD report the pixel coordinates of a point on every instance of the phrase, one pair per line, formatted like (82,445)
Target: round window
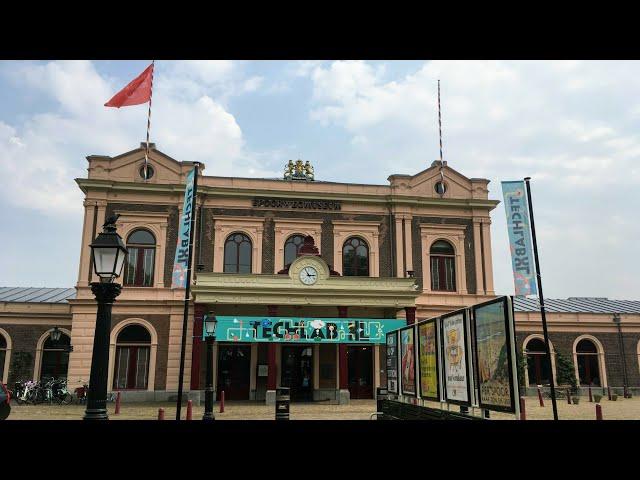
(440,188)
(150,172)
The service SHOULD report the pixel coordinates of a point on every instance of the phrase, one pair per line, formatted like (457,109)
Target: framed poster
(428,358)
(408,361)
(263,370)
(392,362)
(455,360)
(494,361)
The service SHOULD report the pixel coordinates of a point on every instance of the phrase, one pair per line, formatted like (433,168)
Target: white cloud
(43,154)
(572,126)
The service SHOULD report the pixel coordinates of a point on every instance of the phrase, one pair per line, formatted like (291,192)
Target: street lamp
(108,253)
(210,325)
(55,334)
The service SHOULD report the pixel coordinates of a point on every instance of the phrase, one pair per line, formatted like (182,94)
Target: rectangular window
(443,273)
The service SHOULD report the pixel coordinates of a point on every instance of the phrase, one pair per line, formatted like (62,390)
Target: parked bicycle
(83,392)
(50,390)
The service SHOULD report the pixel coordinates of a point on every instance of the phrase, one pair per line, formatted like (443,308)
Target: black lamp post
(210,324)
(109,254)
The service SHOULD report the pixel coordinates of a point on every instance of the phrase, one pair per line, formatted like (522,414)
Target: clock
(308,275)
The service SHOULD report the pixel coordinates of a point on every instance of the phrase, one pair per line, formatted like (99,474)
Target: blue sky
(571,125)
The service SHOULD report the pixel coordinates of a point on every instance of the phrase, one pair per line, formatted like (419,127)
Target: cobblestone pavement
(622,409)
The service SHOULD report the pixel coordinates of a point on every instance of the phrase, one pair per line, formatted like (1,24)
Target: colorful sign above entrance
(302,330)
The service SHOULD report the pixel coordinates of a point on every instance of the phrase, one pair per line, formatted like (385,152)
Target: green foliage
(521,362)
(565,372)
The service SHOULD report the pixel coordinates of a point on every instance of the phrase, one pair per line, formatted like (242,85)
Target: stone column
(410,314)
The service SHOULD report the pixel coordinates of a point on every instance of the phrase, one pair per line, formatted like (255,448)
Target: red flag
(136,93)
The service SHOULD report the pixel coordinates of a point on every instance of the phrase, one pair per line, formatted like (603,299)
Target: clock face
(308,275)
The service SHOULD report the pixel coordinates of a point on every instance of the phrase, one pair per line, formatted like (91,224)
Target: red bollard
(609,392)
(540,397)
(569,396)
(523,409)
(117,412)
(189,410)
(590,395)
(598,412)
(222,401)
(161,414)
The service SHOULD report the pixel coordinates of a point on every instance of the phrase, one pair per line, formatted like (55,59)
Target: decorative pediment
(127,167)
(423,184)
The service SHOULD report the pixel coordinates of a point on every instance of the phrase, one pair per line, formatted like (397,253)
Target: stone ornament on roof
(298,171)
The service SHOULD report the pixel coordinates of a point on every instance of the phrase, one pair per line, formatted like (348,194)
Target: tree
(565,372)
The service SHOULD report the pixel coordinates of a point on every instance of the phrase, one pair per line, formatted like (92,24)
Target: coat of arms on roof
(298,171)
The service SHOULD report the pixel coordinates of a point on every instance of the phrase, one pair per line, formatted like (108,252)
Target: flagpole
(541,297)
(440,131)
(146,152)
(187,291)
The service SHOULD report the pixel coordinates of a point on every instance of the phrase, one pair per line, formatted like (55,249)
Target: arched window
(588,363)
(443,267)
(237,254)
(142,253)
(132,358)
(537,364)
(291,248)
(55,358)
(3,355)
(355,258)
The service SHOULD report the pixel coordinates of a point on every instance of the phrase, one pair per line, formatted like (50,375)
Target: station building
(305,277)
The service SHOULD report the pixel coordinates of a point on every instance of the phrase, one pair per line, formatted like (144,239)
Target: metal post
(598,412)
(190,410)
(541,297)
(590,395)
(617,321)
(117,412)
(540,397)
(208,391)
(609,392)
(105,294)
(183,343)
(523,409)
(222,401)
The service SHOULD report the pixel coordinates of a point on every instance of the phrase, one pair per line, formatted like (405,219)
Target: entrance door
(297,372)
(360,362)
(234,366)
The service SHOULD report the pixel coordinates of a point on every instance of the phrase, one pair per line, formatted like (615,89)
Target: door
(234,365)
(360,365)
(297,372)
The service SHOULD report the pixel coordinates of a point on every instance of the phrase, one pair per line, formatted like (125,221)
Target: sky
(570,125)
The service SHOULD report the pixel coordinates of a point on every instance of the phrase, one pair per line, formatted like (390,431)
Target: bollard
(523,409)
(568,396)
(222,401)
(190,410)
(117,412)
(161,414)
(590,395)
(609,392)
(598,412)
(540,397)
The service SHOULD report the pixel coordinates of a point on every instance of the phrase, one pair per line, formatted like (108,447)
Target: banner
(428,352)
(515,204)
(408,361)
(455,359)
(181,261)
(392,362)
(493,353)
(303,330)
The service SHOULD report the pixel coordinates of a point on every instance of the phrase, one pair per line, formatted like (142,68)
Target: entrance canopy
(305,330)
